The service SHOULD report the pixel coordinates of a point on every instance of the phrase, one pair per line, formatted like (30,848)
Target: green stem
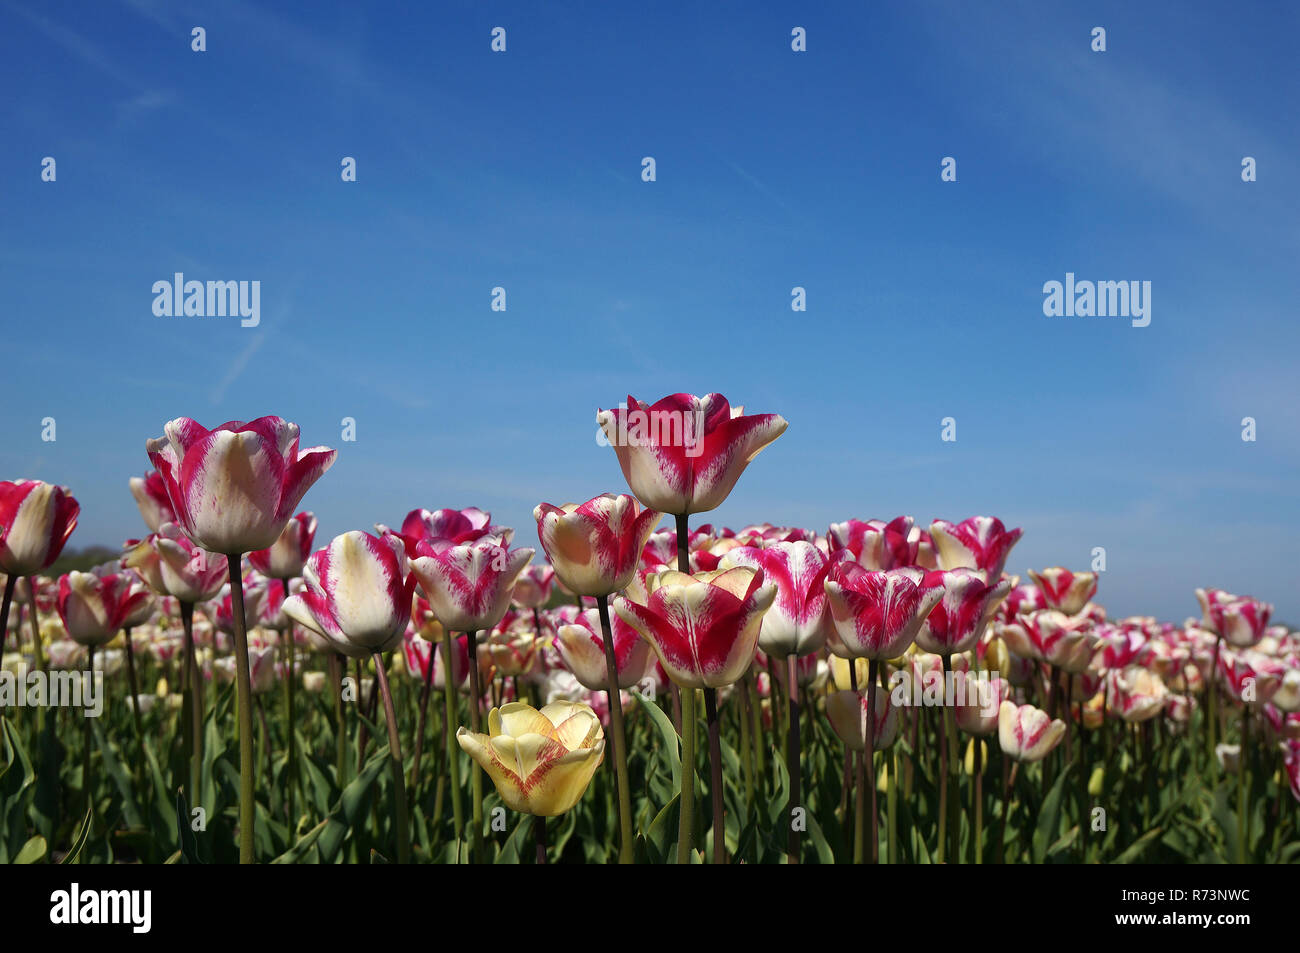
(686,812)
(1243,786)
(954,763)
(244,698)
(619,733)
(291,767)
(475,719)
(792,845)
(869,756)
(196,704)
(449,732)
(860,786)
(395,764)
(715,775)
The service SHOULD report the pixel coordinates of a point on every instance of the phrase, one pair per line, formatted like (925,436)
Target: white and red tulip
(235,487)
(875,615)
(287,556)
(684,453)
(582,648)
(1064,590)
(469,585)
(150,492)
(94,608)
(704,628)
(1027,733)
(798,622)
(595,547)
(959,618)
(36,519)
(980,542)
(358,594)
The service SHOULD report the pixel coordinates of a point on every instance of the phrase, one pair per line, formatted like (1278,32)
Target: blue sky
(775,169)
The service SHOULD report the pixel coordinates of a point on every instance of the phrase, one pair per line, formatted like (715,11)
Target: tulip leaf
(83,834)
(189,847)
(668,738)
(1134,850)
(118,774)
(1049,817)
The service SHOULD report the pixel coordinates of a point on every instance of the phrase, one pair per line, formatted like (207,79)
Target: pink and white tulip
(595,547)
(235,487)
(36,519)
(980,542)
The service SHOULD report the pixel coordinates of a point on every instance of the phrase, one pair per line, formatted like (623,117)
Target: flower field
(635,686)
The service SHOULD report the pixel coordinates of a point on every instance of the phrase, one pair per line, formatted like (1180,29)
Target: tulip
(798,622)
(960,617)
(533,588)
(1048,635)
(150,492)
(981,542)
(875,544)
(684,454)
(446,527)
(1027,733)
(288,555)
(95,608)
(595,547)
(704,629)
(1240,620)
(875,615)
(582,647)
(847,713)
(1066,591)
(469,585)
(540,761)
(235,487)
(1135,694)
(358,596)
(36,520)
(978,702)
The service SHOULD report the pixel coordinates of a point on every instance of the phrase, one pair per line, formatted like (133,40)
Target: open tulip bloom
(540,761)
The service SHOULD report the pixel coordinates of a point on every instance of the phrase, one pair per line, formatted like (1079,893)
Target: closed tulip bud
(1251,677)
(704,628)
(36,519)
(95,608)
(469,585)
(287,556)
(798,622)
(875,615)
(968,762)
(960,617)
(1065,590)
(582,647)
(150,494)
(540,761)
(685,453)
(981,542)
(595,547)
(847,713)
(511,646)
(313,682)
(235,487)
(1021,600)
(1287,696)
(1027,733)
(358,594)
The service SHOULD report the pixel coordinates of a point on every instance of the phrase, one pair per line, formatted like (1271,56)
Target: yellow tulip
(540,761)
